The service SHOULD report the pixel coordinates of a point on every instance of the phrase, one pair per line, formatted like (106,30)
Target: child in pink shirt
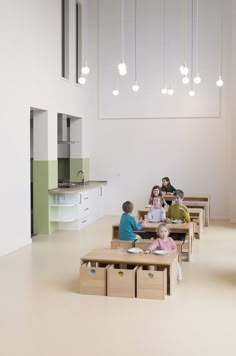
(163,242)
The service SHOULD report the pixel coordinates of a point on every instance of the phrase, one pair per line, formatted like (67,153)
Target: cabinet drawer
(83,222)
(84,199)
(83,212)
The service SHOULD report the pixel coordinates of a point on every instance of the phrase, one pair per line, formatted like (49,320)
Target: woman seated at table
(167,188)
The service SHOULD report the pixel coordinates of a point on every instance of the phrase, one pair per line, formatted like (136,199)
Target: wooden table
(186,228)
(110,256)
(196,216)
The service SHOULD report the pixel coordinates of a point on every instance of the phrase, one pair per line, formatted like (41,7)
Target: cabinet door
(96,203)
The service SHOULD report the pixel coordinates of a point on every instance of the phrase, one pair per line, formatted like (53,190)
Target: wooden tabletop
(183,227)
(116,256)
(188,197)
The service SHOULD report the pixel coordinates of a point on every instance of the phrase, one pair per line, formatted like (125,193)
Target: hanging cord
(135,41)
(197,36)
(164,42)
(192,47)
(86,31)
(185,30)
(122,31)
(220,37)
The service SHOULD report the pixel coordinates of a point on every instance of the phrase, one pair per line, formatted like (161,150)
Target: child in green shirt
(178,211)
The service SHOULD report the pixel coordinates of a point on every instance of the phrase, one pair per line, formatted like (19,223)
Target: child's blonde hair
(162,225)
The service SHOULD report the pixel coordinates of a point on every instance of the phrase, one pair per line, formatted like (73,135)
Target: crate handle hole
(120,273)
(150,275)
(92,271)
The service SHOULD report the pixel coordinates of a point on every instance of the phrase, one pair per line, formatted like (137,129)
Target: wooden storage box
(116,243)
(151,282)
(121,280)
(93,278)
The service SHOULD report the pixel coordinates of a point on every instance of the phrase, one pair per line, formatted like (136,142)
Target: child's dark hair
(127,207)
(167,179)
(180,193)
(156,187)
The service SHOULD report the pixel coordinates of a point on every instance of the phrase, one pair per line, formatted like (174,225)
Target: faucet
(82,176)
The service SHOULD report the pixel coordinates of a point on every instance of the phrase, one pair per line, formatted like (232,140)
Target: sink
(68,184)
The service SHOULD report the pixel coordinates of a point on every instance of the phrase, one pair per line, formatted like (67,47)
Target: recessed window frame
(65,39)
(78,40)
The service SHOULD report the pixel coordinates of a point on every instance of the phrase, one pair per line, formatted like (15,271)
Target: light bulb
(85,69)
(170,91)
(135,87)
(219,82)
(183,69)
(115,92)
(82,80)
(164,91)
(197,79)
(191,92)
(122,68)
(185,80)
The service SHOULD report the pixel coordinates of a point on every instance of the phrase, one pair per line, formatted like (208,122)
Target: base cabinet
(75,210)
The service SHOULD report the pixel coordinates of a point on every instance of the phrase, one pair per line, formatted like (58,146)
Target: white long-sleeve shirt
(157,214)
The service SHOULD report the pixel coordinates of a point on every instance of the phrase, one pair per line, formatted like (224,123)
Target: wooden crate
(121,280)
(93,278)
(151,282)
(116,243)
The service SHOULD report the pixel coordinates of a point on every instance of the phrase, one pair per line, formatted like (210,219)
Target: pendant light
(191,91)
(122,67)
(164,90)
(170,91)
(135,86)
(82,80)
(185,80)
(85,68)
(115,92)
(183,68)
(220,82)
(197,79)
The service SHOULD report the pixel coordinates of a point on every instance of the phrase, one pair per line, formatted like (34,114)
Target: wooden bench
(197,217)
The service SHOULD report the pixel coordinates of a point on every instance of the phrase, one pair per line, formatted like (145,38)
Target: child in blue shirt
(128,223)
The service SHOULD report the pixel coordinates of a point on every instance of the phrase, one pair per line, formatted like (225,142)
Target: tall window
(78,39)
(65,38)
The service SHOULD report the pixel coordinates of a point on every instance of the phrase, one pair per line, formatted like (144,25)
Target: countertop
(91,184)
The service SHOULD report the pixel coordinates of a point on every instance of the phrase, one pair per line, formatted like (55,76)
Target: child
(167,188)
(128,223)
(178,211)
(163,242)
(156,193)
(157,212)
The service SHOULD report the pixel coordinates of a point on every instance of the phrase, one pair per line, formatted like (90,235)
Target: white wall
(198,154)
(30,68)
(134,154)
(150,44)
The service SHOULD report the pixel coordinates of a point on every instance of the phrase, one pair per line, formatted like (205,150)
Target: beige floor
(42,313)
